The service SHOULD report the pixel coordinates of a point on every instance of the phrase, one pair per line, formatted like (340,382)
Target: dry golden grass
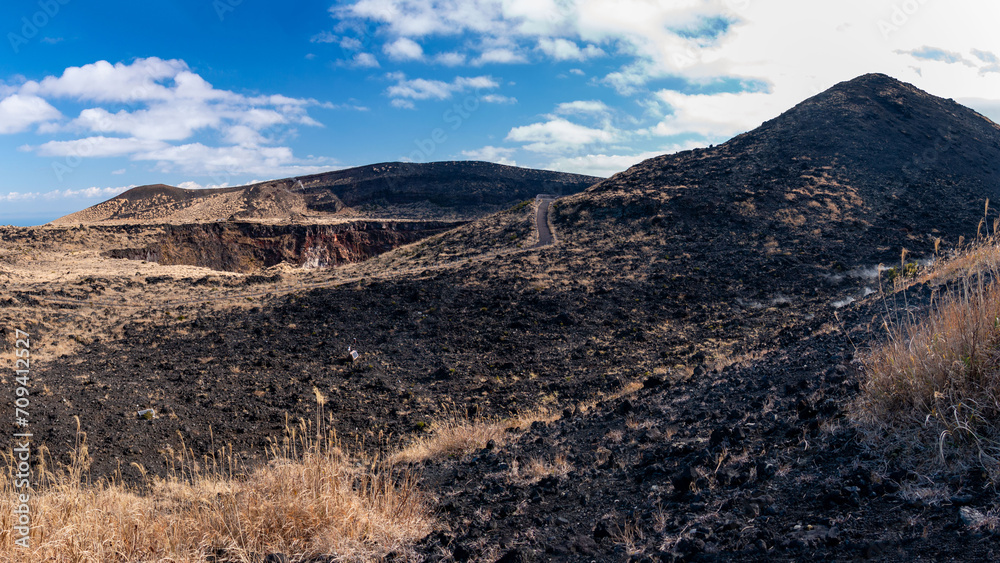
(459,436)
(452,438)
(311,499)
(536,469)
(933,386)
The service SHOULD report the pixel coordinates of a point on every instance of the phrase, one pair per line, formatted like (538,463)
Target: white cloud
(140,81)
(498,155)
(173,122)
(566,50)
(351,43)
(119,172)
(244,135)
(422,89)
(646,28)
(19,112)
(498,99)
(406,90)
(583,107)
(499,56)
(96,147)
(19,196)
(364,60)
(198,159)
(89,193)
(606,165)
(167,107)
(719,116)
(558,135)
(419,18)
(166,102)
(191,185)
(323,37)
(450,59)
(404,49)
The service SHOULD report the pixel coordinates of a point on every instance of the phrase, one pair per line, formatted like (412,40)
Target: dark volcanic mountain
(847,178)
(438,190)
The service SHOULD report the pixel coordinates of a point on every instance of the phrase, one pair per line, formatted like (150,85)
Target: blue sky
(208,93)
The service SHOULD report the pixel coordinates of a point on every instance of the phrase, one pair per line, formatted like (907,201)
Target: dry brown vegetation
(312,499)
(458,436)
(536,469)
(452,438)
(931,389)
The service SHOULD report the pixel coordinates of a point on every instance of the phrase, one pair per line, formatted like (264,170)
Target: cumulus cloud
(563,31)
(499,56)
(324,37)
(404,49)
(364,60)
(199,159)
(88,193)
(95,147)
(405,90)
(192,185)
(450,59)
(717,116)
(583,107)
(140,81)
(566,50)
(498,155)
(558,136)
(420,18)
(606,165)
(932,54)
(166,107)
(498,99)
(19,112)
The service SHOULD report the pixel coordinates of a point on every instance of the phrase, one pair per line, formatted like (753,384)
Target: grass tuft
(459,436)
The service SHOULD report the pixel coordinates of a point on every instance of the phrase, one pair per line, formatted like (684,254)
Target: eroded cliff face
(250,247)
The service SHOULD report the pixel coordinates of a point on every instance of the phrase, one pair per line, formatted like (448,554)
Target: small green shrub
(904,271)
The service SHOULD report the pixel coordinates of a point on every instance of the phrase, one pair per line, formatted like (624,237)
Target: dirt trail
(545,236)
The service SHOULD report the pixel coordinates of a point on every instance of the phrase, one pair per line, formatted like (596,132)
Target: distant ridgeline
(434,191)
